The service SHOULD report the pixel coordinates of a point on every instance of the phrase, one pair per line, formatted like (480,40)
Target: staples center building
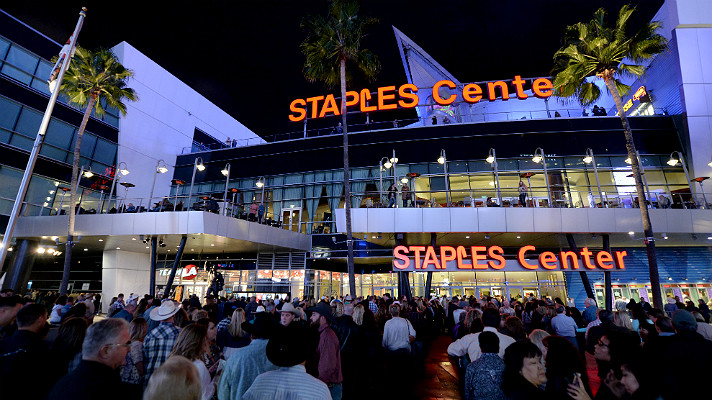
(437,204)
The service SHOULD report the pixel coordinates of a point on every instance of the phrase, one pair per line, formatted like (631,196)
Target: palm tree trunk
(73,198)
(347,187)
(647,226)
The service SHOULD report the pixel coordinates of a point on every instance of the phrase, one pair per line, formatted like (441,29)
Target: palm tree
(92,78)
(330,43)
(595,49)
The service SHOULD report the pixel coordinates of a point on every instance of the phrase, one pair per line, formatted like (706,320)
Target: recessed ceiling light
(86,249)
(212,244)
(133,238)
(467,237)
(54,237)
(631,233)
(192,249)
(373,237)
(146,246)
(118,248)
(169,251)
(101,240)
(519,237)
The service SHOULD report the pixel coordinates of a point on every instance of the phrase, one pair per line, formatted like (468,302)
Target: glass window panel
(59,134)
(22,142)
(421,169)
(53,152)
(22,59)
(5,135)
(111,120)
(459,166)
(10,179)
(105,151)
(480,165)
(4,45)
(516,278)
(29,122)
(88,143)
(15,73)
(8,113)
(41,85)
(43,71)
(508,165)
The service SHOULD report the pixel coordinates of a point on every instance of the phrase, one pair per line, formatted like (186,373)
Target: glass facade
(308,200)
(31,70)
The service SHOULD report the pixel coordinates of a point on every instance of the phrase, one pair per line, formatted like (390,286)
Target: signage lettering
(406,96)
(418,258)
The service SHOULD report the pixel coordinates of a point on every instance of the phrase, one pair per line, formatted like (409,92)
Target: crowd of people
(333,348)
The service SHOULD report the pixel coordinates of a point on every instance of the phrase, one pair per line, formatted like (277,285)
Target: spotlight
(487,237)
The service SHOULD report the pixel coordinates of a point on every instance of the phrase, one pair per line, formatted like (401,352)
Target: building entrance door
(291,218)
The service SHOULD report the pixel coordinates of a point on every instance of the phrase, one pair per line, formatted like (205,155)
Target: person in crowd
(253,212)
(159,342)
(126,313)
(181,318)
(104,350)
(251,308)
(55,317)
(248,362)
(7,292)
(406,195)
(522,189)
(703,328)
(635,378)
(326,361)
(176,379)
(470,343)
(506,308)
(564,325)
(20,352)
(483,379)
(91,309)
(214,353)
(133,371)
(537,337)
(670,307)
(589,313)
(9,307)
(143,304)
(523,372)
(289,349)
(289,314)
(117,305)
(622,319)
(615,345)
(234,337)
(67,346)
(514,328)
(193,344)
(704,310)
(562,362)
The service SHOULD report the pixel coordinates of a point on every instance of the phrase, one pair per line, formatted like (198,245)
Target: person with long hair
(563,365)
(176,379)
(133,371)
(55,317)
(234,337)
(67,347)
(141,308)
(212,357)
(193,344)
(514,328)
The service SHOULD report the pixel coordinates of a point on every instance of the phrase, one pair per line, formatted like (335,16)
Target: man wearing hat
(288,349)
(159,342)
(246,363)
(289,314)
(327,357)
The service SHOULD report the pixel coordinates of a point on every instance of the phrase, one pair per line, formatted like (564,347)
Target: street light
(589,159)
(226,173)
(381,165)
(124,171)
(161,168)
(540,157)
(404,180)
(197,166)
(492,159)
(443,160)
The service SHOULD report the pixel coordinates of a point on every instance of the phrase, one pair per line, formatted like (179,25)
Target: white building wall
(124,272)
(162,123)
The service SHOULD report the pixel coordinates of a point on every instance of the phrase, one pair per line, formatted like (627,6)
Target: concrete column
(124,272)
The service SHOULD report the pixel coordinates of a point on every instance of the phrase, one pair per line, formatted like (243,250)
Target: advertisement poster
(644,294)
(677,292)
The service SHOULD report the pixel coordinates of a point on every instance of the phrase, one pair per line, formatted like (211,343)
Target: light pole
(124,171)
(261,184)
(381,165)
(492,159)
(394,161)
(540,157)
(161,168)
(673,162)
(226,172)
(197,166)
(589,159)
(443,160)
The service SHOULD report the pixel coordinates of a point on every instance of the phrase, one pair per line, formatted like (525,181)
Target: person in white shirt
(470,344)
(564,325)
(397,331)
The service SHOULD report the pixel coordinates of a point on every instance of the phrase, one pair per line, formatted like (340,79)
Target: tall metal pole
(226,172)
(154,248)
(608,291)
(539,151)
(179,254)
(22,190)
(493,157)
(443,158)
(153,185)
(589,153)
(113,184)
(192,180)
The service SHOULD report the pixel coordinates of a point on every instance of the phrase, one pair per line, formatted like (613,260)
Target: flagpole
(14,278)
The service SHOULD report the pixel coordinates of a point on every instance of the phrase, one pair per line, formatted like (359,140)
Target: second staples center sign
(484,258)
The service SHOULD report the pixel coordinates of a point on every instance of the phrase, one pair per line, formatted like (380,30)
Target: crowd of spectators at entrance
(333,348)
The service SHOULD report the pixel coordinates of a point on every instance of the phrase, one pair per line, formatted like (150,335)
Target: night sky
(244,55)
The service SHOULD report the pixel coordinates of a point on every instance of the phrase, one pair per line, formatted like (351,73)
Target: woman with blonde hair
(233,337)
(132,373)
(358,314)
(176,379)
(537,337)
(622,319)
(193,344)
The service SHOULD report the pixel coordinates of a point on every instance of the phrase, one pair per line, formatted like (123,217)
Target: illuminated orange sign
(406,96)
(492,258)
